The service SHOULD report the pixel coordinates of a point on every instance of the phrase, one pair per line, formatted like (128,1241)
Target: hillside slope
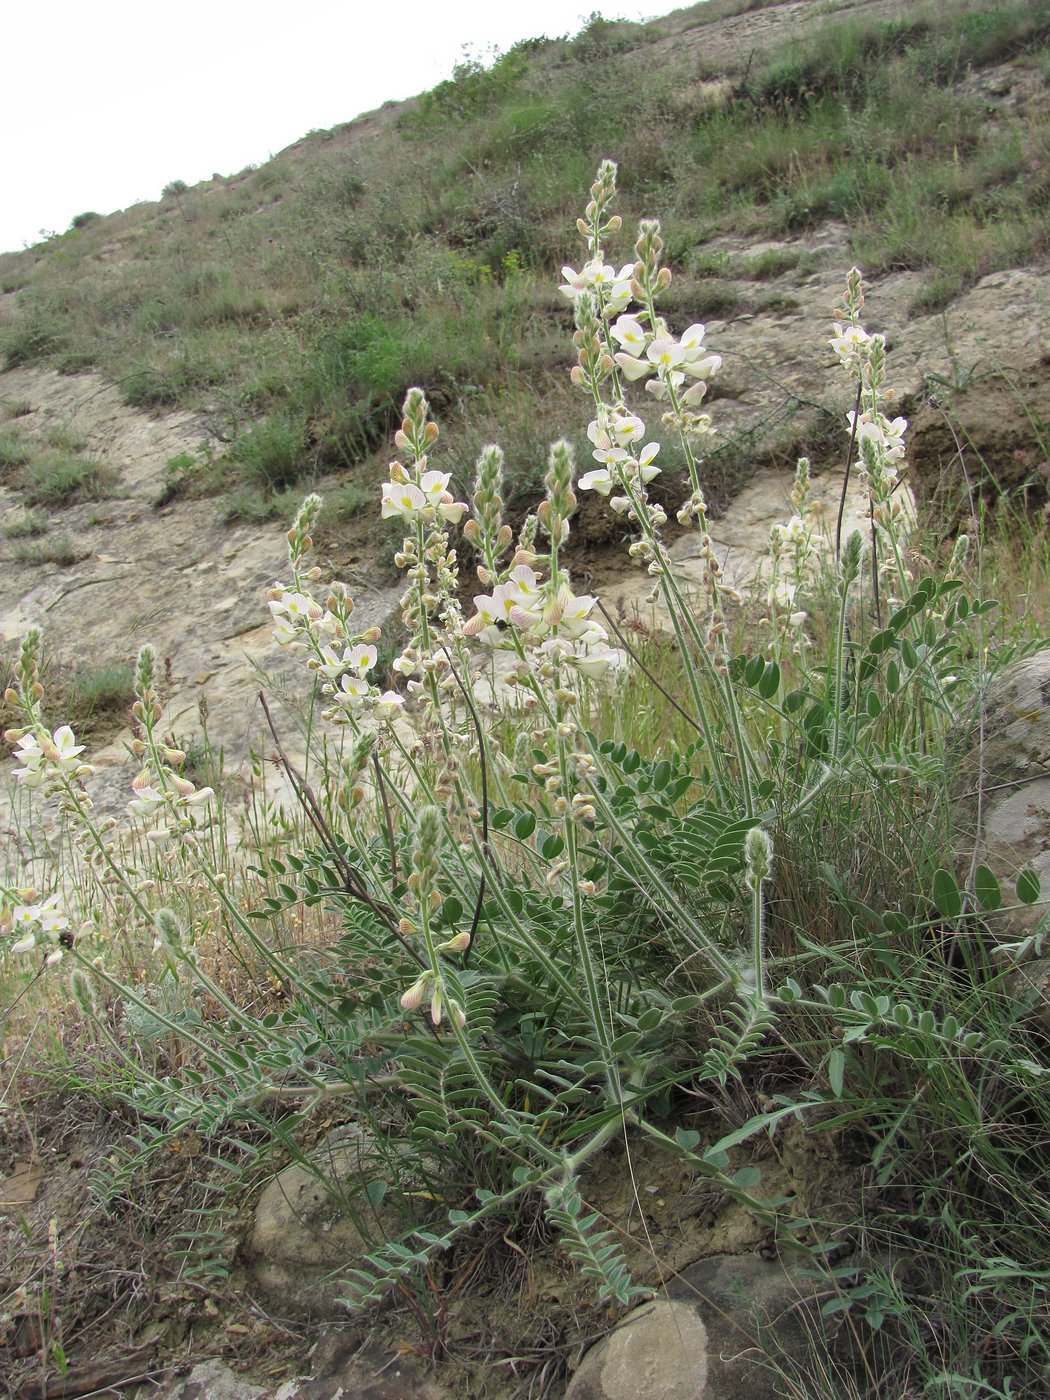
(252,337)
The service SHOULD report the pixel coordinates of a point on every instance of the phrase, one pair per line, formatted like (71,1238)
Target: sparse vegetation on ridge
(298,301)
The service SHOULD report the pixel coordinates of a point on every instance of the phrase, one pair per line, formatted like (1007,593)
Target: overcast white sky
(102,104)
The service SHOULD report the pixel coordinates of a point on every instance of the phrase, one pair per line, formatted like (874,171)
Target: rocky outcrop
(1001,800)
(1001,788)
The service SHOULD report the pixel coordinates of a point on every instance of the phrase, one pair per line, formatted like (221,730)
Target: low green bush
(272,454)
(59,479)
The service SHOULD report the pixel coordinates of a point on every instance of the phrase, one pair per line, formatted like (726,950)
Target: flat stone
(210,1380)
(660,1351)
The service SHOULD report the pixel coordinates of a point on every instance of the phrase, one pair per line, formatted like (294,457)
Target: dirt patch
(100,1288)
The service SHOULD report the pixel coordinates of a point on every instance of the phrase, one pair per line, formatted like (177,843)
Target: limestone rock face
(311,1224)
(1001,788)
(1002,804)
(983,446)
(700,1341)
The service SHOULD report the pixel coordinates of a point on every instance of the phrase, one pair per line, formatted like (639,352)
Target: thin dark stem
(476,920)
(644,669)
(875,596)
(24,992)
(380,782)
(352,884)
(845,479)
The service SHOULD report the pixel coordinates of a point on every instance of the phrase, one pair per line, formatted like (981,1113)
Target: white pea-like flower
(389,704)
(293,613)
(45,756)
(629,334)
(35,921)
(600,480)
(403,499)
(352,692)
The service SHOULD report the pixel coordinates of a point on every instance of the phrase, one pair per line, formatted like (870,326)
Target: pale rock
(1001,788)
(708,1337)
(1001,801)
(311,1224)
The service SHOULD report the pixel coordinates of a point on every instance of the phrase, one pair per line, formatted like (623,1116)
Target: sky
(102,104)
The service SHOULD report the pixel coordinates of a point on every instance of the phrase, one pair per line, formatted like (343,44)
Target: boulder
(1001,801)
(313,1222)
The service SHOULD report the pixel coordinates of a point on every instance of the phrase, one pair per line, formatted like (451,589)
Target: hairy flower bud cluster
(486,529)
(420,497)
(342,657)
(159,787)
(425,899)
(793,551)
(879,439)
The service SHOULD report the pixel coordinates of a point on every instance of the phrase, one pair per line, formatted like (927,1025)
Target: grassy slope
(297,301)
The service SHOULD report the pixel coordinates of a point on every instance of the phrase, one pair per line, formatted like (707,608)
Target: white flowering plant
(550,942)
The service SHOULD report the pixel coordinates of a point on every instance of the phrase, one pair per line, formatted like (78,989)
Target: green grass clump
(56,479)
(272,455)
(56,549)
(15,451)
(95,689)
(256,505)
(26,526)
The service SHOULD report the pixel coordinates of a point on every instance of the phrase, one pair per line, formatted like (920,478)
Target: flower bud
(82,989)
(412,999)
(436,1001)
(758,856)
(459,944)
(169,934)
(851,556)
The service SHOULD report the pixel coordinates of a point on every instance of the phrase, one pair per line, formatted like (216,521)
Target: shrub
(271,454)
(56,479)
